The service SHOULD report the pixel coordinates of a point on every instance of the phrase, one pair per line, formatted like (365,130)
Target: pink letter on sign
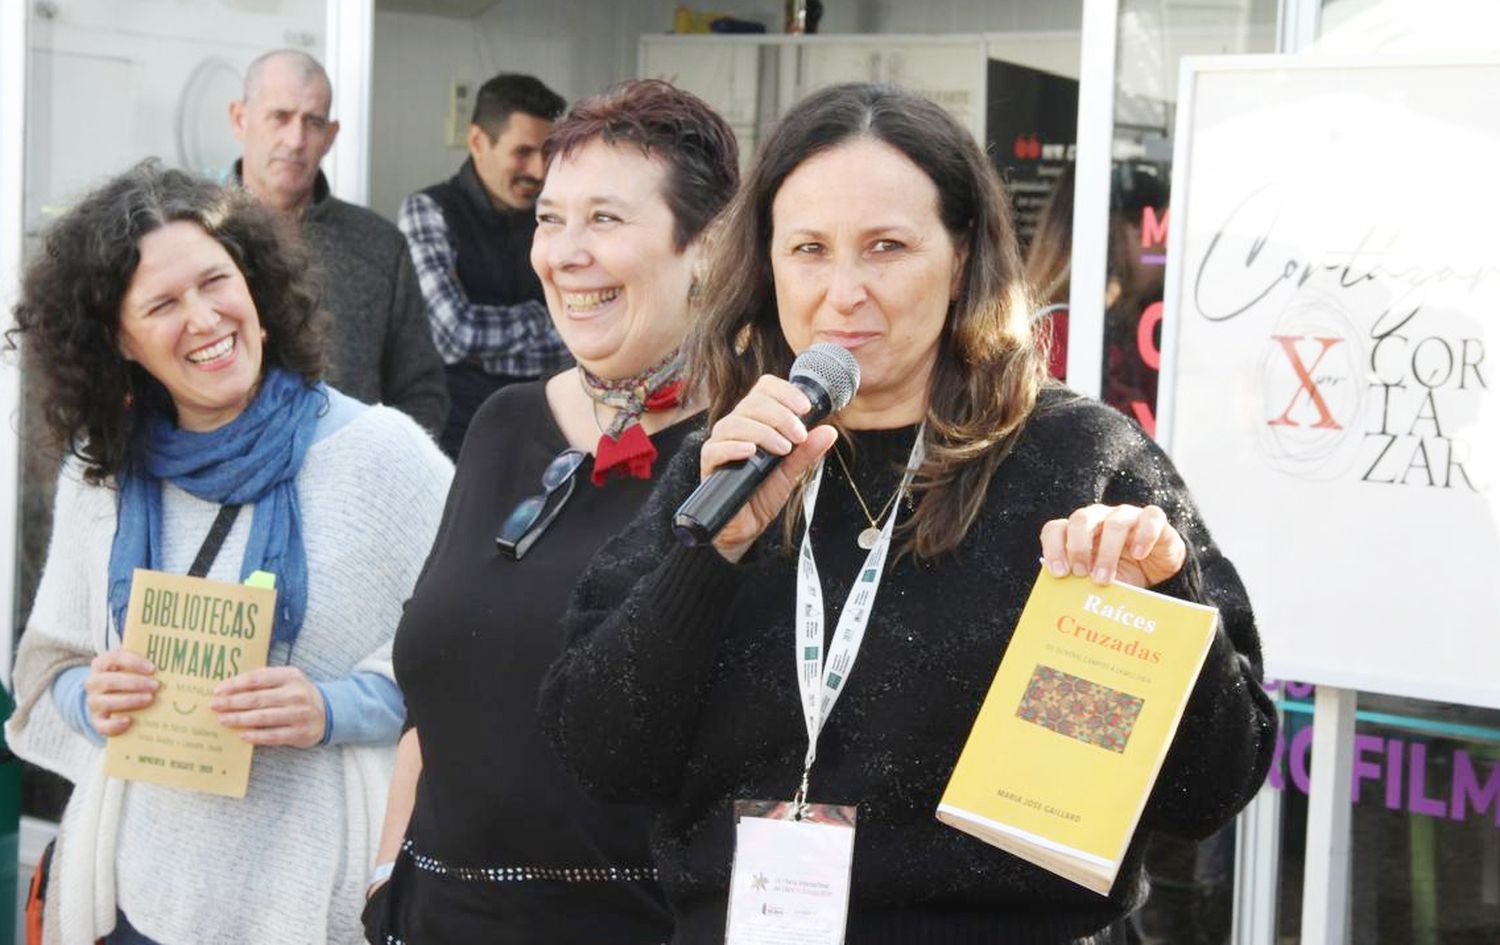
(1366,770)
(1416,794)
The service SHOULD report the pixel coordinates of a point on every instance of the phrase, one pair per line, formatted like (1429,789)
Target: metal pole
(1258,837)
(1257,865)
(1092,175)
(1325,880)
(1298,23)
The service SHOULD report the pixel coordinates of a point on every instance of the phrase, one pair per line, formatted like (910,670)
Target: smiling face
(188,319)
(285,130)
(616,285)
(510,167)
(861,258)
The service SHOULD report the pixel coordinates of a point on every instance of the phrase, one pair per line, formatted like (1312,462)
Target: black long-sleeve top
(678,687)
(478,633)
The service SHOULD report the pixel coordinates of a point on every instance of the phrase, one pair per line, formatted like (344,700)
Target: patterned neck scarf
(625,449)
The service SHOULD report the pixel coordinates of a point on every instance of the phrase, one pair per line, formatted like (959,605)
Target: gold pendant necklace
(868,537)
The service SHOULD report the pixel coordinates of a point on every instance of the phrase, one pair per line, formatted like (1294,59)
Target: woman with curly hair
(179,344)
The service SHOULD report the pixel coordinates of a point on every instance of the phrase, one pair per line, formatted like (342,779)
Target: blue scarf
(253,458)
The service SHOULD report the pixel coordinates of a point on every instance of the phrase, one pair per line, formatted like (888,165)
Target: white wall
(577,47)
(114,81)
(1410,26)
(972,16)
(580,46)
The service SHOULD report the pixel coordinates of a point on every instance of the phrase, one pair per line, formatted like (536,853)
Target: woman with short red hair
(487,837)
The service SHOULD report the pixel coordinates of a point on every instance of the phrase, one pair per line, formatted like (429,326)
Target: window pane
(1153,38)
(1425,857)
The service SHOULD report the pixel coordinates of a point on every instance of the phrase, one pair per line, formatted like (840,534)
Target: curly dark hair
(93,399)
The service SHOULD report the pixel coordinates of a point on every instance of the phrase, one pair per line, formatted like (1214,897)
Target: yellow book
(196,632)
(1072,734)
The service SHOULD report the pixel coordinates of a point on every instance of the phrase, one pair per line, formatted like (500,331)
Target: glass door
(1153,37)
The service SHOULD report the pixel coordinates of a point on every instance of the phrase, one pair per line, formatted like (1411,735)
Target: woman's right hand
(770,418)
(119,683)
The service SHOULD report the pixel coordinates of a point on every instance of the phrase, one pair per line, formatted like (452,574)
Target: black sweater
(678,687)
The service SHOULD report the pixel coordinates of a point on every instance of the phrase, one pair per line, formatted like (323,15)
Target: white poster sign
(1331,379)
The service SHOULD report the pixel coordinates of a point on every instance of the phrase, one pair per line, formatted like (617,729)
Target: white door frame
(1091,183)
(348,52)
(13,68)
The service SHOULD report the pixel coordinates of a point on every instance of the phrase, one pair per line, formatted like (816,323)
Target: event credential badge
(197,633)
(790,882)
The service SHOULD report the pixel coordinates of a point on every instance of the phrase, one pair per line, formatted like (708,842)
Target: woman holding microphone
(870,220)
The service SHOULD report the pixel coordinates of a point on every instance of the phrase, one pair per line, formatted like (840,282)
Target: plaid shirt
(512,340)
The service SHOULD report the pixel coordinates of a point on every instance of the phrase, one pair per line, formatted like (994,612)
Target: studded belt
(522,874)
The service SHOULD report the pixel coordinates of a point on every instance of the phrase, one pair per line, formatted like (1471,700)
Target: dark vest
(493,246)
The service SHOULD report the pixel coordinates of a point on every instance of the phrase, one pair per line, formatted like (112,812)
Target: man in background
(470,239)
(380,348)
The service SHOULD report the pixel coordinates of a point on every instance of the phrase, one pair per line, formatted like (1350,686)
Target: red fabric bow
(631,455)
(664,397)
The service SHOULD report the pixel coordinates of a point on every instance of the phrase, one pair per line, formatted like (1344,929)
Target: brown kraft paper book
(197,633)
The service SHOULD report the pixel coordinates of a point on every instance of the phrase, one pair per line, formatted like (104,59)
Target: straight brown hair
(989,368)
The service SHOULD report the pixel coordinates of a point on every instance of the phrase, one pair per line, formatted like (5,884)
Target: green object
(263,579)
(1424,885)
(10,826)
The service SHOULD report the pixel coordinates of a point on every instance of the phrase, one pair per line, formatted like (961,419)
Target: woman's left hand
(277,705)
(1126,542)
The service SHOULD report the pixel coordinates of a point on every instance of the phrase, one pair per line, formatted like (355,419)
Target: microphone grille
(833,367)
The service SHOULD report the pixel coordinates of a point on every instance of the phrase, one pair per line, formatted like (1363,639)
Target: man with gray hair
(380,346)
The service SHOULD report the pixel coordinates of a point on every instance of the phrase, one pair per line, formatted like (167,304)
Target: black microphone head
(833,368)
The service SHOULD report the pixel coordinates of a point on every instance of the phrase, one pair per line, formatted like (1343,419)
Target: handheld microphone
(828,374)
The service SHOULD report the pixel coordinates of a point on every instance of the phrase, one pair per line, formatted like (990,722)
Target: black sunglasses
(526,522)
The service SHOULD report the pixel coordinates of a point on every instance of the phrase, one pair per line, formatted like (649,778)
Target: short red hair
(670,125)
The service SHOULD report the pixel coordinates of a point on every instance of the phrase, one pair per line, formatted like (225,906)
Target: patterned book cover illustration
(1080,709)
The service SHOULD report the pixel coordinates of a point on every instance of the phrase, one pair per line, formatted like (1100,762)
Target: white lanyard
(822,681)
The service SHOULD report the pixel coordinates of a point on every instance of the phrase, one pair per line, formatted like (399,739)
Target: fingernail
(1058,568)
(1139,551)
(1101,576)
(799,432)
(150,667)
(1079,570)
(155,684)
(783,445)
